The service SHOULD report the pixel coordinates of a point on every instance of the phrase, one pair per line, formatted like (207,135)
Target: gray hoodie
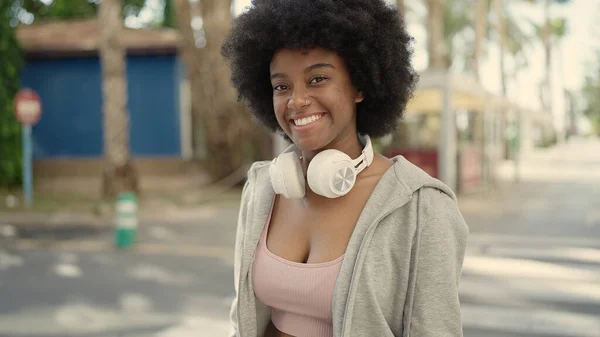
(401,269)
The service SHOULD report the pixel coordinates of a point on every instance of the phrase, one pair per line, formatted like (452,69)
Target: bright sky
(577,50)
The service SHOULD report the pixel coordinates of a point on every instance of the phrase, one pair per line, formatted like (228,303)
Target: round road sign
(28,107)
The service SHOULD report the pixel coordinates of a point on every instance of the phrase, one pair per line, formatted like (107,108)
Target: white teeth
(307,120)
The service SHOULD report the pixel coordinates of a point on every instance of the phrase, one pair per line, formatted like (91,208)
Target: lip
(303,129)
(300,116)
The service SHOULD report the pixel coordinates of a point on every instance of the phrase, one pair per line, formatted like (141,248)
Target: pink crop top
(299,294)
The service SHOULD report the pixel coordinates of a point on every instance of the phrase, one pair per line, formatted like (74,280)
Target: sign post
(28,111)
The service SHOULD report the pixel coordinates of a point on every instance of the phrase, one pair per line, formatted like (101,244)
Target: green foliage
(68,9)
(169,15)
(10,130)
(81,9)
(60,9)
(591,95)
(456,21)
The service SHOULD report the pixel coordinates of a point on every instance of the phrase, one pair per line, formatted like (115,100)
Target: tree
(512,41)
(481,15)
(10,131)
(66,9)
(169,19)
(401,6)
(591,96)
(546,32)
(119,174)
(500,27)
(445,22)
(435,34)
(226,125)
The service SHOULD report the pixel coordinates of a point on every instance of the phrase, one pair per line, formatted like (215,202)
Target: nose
(299,100)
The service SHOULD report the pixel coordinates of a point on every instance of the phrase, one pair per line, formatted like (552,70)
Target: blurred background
(121,164)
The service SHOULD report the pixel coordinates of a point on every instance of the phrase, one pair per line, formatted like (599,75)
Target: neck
(349,145)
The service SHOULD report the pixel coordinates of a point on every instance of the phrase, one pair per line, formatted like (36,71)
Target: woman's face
(313,97)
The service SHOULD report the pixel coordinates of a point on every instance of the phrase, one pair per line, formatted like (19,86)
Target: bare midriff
(273,332)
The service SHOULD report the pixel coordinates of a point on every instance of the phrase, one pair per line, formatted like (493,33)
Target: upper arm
(239,238)
(440,245)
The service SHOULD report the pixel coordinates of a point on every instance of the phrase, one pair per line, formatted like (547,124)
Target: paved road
(532,267)
(99,293)
(533,264)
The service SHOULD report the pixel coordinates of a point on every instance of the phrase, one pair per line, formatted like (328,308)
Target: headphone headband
(365,140)
(331,173)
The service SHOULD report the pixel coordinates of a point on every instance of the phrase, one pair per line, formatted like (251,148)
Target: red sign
(427,160)
(28,107)
(470,167)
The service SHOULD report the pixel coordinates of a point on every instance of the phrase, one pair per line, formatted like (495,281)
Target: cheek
(342,101)
(279,107)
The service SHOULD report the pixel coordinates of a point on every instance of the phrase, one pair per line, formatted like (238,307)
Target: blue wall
(71,93)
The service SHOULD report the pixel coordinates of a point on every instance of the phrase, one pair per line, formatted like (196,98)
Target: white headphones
(331,173)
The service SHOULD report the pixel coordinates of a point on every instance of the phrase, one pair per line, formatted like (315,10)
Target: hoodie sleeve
(239,237)
(439,247)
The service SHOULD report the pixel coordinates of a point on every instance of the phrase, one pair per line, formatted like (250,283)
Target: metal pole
(447,150)
(27,165)
(518,146)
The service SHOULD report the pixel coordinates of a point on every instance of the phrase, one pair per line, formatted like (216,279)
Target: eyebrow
(307,70)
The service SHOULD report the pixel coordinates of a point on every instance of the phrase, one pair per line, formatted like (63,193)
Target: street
(532,266)
(533,262)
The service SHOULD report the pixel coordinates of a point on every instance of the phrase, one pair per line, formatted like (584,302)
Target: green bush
(10,130)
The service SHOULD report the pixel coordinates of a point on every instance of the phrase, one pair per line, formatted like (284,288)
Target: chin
(309,144)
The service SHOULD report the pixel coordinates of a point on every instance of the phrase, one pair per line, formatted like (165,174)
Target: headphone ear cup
(331,174)
(286,175)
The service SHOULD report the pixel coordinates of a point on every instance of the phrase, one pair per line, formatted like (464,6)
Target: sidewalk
(203,219)
(193,211)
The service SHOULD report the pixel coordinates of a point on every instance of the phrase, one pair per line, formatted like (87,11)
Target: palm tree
(225,124)
(550,33)
(546,32)
(119,174)
(512,40)
(401,6)
(445,24)
(435,34)
(481,14)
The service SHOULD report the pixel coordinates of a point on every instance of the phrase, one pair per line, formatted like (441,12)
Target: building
(460,133)
(63,67)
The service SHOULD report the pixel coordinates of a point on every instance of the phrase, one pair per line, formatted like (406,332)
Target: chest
(314,233)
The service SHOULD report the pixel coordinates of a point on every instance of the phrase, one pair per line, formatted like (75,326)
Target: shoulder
(255,176)
(258,166)
(440,221)
(414,178)
(257,172)
(436,204)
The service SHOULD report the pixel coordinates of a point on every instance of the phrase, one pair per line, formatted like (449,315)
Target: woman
(332,239)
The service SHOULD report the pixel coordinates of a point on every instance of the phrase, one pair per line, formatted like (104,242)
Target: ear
(359,97)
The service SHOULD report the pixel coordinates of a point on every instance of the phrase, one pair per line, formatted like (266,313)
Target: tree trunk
(215,110)
(435,34)
(501,31)
(401,7)
(547,41)
(119,174)
(480,12)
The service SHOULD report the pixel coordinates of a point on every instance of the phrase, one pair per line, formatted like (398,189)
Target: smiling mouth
(307,120)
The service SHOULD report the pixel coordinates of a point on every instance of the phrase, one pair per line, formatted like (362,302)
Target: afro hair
(369,35)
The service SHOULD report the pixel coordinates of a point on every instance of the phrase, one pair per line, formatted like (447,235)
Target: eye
(280,87)
(318,79)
